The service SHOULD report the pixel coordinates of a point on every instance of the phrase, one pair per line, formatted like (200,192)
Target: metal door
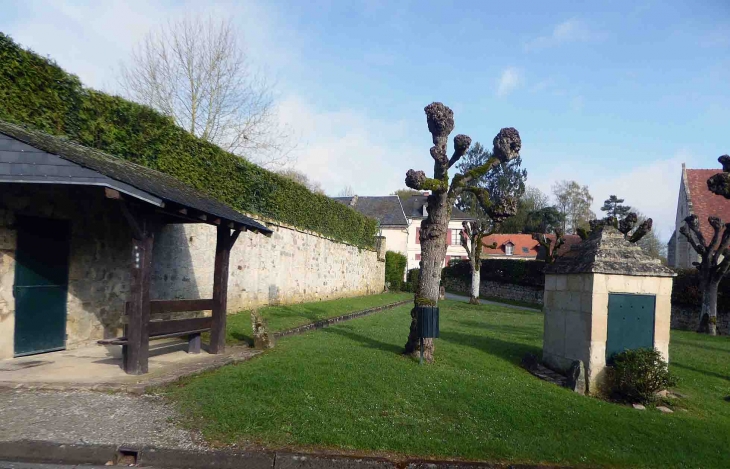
(41,284)
(630,322)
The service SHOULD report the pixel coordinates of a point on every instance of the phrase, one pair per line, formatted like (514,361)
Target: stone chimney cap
(353,201)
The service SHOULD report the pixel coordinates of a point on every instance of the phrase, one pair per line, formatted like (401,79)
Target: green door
(41,282)
(630,322)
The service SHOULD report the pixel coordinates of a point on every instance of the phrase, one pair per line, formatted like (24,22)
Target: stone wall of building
(505,291)
(687,318)
(289,267)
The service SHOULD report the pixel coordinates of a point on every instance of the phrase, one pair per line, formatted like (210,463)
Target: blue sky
(615,95)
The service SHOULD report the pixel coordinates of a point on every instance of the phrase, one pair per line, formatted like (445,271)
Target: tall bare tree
(196,71)
(346,191)
(303,179)
(506,146)
(714,254)
(574,202)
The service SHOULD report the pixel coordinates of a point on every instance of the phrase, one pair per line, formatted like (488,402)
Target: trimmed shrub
(35,91)
(636,375)
(412,279)
(395,269)
(513,271)
(686,290)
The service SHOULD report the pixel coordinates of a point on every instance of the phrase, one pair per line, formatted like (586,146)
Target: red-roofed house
(695,198)
(520,246)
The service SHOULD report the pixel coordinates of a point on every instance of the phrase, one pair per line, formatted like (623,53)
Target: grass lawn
(280,318)
(347,387)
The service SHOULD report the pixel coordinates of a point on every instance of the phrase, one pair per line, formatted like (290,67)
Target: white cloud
(652,187)
(509,80)
(346,147)
(572,30)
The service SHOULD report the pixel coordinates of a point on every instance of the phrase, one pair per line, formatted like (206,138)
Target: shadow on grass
(704,372)
(509,351)
(531,330)
(242,338)
(695,343)
(367,341)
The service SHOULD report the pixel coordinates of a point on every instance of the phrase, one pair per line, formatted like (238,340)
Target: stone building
(78,225)
(694,199)
(603,296)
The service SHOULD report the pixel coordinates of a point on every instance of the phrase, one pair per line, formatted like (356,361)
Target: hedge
(34,91)
(395,269)
(686,290)
(514,271)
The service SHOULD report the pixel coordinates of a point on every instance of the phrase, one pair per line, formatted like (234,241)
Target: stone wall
(288,267)
(505,291)
(687,318)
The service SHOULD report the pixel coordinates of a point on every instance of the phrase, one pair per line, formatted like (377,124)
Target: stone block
(665,286)
(650,285)
(599,283)
(550,282)
(554,333)
(561,282)
(575,283)
(586,302)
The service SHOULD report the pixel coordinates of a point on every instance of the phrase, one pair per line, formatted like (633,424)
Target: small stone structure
(605,294)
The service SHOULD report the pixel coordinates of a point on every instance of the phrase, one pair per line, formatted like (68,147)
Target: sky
(614,95)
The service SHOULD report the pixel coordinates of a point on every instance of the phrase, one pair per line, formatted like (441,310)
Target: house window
(508,248)
(456,237)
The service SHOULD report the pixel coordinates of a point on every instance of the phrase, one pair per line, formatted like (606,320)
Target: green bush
(35,91)
(500,270)
(395,269)
(412,279)
(686,290)
(636,375)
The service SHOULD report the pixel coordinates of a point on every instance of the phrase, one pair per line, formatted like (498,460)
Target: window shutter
(448,236)
(418,236)
(448,259)
(418,257)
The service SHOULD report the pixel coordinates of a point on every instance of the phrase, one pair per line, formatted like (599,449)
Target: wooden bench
(190,328)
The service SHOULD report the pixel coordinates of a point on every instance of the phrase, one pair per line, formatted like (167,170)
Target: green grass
(497,299)
(280,318)
(347,387)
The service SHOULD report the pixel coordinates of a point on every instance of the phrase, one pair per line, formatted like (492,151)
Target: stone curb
(344,317)
(32,451)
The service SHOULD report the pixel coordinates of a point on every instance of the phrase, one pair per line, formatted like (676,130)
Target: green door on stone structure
(41,284)
(630,322)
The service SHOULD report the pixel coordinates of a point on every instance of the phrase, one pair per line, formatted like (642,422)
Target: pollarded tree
(505,184)
(506,146)
(551,244)
(714,254)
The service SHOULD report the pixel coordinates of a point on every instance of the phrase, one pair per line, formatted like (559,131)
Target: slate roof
(413,207)
(153,182)
(608,252)
(703,202)
(386,209)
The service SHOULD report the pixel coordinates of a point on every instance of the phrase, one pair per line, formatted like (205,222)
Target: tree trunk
(475,284)
(708,313)
(433,252)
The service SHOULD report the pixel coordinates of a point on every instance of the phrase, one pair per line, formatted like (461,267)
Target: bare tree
(346,191)
(551,244)
(443,195)
(303,179)
(714,254)
(195,71)
(574,202)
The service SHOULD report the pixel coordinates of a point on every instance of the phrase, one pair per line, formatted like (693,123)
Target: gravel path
(80,417)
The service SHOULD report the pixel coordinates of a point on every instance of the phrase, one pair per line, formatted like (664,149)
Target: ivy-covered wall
(35,91)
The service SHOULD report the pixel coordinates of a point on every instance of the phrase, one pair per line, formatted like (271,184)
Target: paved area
(453,296)
(100,367)
(91,418)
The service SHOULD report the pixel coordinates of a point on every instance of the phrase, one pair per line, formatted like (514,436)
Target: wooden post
(224,244)
(137,350)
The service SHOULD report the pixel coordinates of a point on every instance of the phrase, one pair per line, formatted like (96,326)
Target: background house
(694,198)
(389,213)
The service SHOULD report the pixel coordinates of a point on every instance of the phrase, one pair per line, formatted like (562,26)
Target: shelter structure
(603,296)
(77,230)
